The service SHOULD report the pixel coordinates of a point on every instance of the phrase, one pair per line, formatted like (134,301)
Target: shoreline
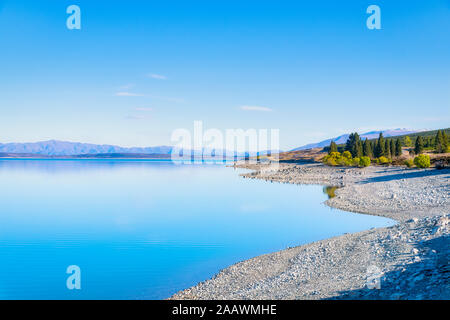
(410,260)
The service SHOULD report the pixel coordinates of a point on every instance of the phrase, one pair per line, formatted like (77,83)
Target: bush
(347,155)
(383,160)
(344,161)
(355,162)
(422,161)
(364,161)
(409,163)
(331,162)
(338,159)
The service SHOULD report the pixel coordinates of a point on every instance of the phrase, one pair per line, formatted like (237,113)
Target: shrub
(347,155)
(383,160)
(364,161)
(344,161)
(409,163)
(355,162)
(335,154)
(422,161)
(331,159)
(331,162)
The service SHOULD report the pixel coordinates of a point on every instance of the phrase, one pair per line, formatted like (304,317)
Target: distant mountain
(64,148)
(55,148)
(369,135)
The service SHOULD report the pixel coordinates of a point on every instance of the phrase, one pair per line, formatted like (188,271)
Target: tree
(359,149)
(353,145)
(445,140)
(441,143)
(379,149)
(407,141)
(367,149)
(392,148)
(350,142)
(398,148)
(333,147)
(418,149)
(387,149)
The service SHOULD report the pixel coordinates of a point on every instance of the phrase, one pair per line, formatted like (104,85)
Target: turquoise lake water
(146,229)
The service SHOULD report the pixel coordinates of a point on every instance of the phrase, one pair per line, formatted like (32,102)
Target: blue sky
(137,70)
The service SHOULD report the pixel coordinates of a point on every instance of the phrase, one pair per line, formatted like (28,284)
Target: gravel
(407,261)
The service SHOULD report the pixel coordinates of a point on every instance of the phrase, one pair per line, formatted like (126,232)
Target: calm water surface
(146,229)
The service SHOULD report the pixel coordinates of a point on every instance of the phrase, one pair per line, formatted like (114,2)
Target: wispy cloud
(170,99)
(255,108)
(128,94)
(157,76)
(144,109)
(127,86)
(135,117)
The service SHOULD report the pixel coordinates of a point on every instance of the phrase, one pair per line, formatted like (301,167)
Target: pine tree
(333,147)
(387,149)
(407,141)
(398,148)
(441,142)
(438,142)
(379,149)
(349,143)
(392,148)
(418,149)
(359,149)
(353,145)
(367,149)
(445,141)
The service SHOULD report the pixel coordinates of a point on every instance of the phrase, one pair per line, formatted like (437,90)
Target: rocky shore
(407,261)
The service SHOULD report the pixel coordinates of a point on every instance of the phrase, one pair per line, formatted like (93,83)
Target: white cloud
(157,76)
(143,109)
(255,108)
(134,117)
(177,100)
(128,94)
(127,86)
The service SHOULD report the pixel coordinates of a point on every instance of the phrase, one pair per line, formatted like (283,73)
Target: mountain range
(369,135)
(55,148)
(65,148)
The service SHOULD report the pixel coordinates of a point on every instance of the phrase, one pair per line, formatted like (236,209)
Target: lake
(143,229)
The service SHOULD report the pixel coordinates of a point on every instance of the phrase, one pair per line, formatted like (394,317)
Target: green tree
(392,142)
(438,142)
(333,147)
(398,148)
(445,140)
(441,142)
(359,149)
(353,145)
(367,149)
(379,149)
(418,148)
(407,141)
(387,149)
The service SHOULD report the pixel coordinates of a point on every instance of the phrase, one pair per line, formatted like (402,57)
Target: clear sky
(137,70)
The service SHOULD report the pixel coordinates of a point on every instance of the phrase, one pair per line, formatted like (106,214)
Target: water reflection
(330,191)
